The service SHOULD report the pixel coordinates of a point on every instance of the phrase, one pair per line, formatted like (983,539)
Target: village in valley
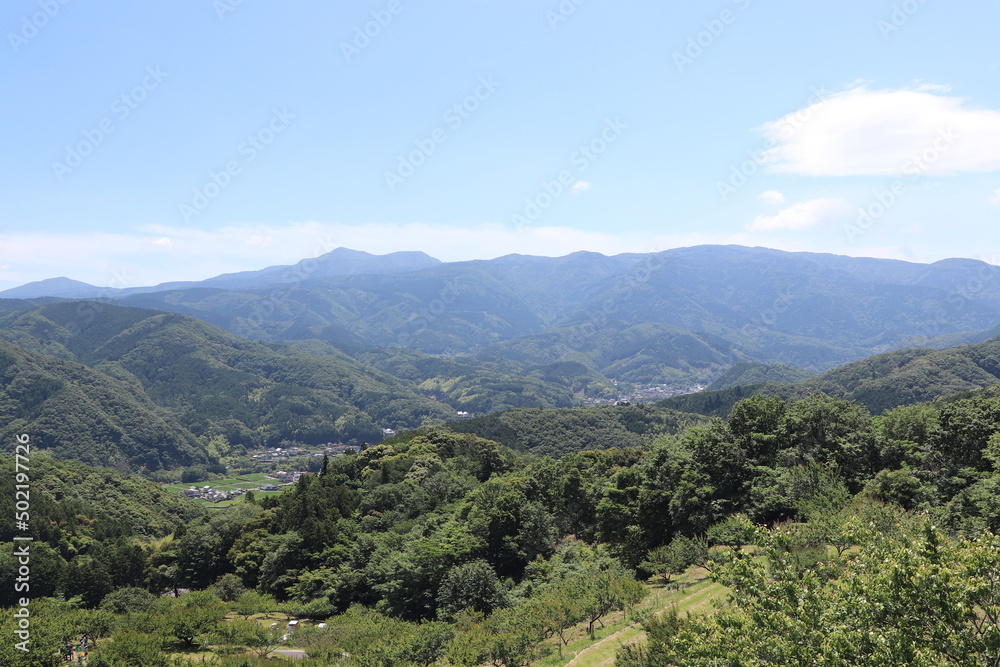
(265,478)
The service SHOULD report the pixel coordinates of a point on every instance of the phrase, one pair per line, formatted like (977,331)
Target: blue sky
(155,141)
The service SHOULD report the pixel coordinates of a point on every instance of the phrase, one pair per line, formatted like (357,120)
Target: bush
(127,600)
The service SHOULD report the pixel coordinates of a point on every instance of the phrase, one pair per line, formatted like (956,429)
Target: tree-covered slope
(560,432)
(880,382)
(745,373)
(94,499)
(216,383)
(76,412)
(490,384)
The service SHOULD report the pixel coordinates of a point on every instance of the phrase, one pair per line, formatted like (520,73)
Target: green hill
(880,382)
(559,432)
(745,373)
(95,499)
(204,380)
(76,412)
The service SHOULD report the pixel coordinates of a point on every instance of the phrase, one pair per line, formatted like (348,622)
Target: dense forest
(879,383)
(437,547)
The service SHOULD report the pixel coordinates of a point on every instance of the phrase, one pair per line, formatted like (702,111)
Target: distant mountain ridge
(55,287)
(337,262)
(677,317)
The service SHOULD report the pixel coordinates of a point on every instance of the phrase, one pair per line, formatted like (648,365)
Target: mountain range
(674,317)
(340,347)
(338,262)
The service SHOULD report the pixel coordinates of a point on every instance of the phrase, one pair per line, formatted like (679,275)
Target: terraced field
(693,592)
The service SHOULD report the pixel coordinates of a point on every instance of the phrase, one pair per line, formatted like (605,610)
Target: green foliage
(374,639)
(49,629)
(435,545)
(557,433)
(749,373)
(242,634)
(919,599)
(162,390)
(879,383)
(676,557)
(473,585)
(75,412)
(128,600)
(189,617)
(252,602)
(228,587)
(507,638)
(129,648)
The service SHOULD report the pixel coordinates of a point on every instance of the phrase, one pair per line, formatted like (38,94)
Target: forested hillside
(745,373)
(559,432)
(155,380)
(81,414)
(879,382)
(460,547)
(509,538)
(678,316)
(93,528)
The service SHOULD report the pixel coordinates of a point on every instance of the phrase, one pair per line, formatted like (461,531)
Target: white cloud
(164,242)
(885,132)
(804,215)
(580,186)
(259,239)
(995,199)
(772,197)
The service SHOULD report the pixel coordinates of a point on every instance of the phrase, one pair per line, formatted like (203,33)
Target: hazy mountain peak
(61,286)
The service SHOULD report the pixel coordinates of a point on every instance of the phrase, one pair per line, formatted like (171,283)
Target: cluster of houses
(217,495)
(213,495)
(278,454)
(648,394)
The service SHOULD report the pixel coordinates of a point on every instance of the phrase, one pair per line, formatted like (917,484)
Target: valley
(522,491)
(500,334)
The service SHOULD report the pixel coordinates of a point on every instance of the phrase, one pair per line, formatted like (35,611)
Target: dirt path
(592,647)
(600,647)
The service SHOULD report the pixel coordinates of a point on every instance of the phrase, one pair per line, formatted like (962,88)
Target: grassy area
(255,477)
(692,592)
(229,484)
(250,481)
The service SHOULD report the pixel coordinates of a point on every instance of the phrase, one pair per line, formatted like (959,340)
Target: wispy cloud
(995,199)
(580,186)
(810,214)
(772,197)
(884,132)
